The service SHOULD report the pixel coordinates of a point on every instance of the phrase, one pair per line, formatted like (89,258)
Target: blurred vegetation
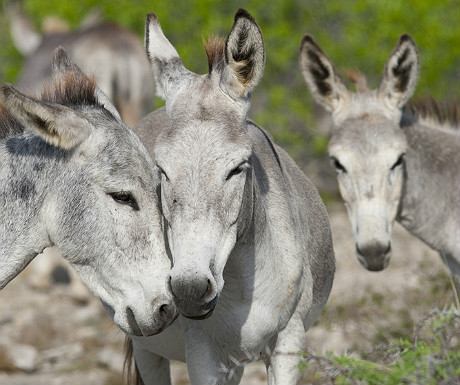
(358,34)
(431,357)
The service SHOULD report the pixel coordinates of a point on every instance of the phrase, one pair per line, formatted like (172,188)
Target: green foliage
(433,358)
(355,34)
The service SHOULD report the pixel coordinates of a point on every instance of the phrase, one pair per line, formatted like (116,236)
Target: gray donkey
(72,174)
(393,163)
(113,54)
(253,261)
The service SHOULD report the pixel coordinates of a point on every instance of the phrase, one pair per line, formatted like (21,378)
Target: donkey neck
(29,168)
(430,203)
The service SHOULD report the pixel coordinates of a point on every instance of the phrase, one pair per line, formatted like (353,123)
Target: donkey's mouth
(210,306)
(201,317)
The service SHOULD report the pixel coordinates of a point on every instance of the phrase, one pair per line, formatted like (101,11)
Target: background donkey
(392,163)
(248,233)
(72,174)
(113,54)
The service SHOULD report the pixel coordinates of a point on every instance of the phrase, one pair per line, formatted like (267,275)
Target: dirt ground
(48,338)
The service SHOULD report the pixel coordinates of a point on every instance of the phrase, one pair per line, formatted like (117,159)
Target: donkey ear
(321,76)
(400,74)
(63,64)
(244,57)
(166,64)
(58,125)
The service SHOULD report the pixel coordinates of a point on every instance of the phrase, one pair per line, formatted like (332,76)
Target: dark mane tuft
(71,89)
(447,113)
(8,125)
(214,51)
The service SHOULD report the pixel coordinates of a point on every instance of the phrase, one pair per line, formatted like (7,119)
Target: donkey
(72,174)
(112,53)
(392,163)
(117,59)
(253,261)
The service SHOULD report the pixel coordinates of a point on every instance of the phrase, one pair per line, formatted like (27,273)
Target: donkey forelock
(215,51)
(71,89)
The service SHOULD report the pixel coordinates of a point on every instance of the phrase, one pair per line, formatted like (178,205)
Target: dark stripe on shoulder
(269,142)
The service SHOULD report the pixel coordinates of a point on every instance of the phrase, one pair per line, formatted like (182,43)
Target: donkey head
(101,207)
(204,156)
(367,146)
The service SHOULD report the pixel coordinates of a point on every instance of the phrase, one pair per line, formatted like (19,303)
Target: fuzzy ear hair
(321,76)
(168,69)
(400,74)
(58,125)
(244,57)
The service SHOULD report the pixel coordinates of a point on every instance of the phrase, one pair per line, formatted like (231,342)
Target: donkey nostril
(170,286)
(388,249)
(163,311)
(208,289)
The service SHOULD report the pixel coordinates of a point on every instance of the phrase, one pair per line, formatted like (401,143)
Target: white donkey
(73,175)
(116,58)
(253,261)
(392,163)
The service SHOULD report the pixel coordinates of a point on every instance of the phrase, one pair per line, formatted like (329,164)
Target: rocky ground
(49,338)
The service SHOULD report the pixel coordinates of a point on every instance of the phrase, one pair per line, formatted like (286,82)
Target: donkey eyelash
(125,198)
(238,170)
(338,166)
(399,162)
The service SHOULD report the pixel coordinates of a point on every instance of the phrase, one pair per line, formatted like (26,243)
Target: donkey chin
(374,256)
(195,312)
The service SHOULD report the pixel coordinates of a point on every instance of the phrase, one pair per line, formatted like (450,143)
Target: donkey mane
(71,89)
(215,51)
(428,109)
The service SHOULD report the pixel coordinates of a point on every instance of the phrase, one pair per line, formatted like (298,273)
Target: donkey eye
(338,166)
(399,162)
(125,198)
(236,171)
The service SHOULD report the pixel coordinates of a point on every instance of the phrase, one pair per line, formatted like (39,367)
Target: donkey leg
(283,364)
(154,369)
(201,358)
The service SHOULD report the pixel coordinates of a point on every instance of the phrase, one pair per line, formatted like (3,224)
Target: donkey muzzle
(374,256)
(194,296)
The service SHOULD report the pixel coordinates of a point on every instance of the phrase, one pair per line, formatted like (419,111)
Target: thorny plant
(433,357)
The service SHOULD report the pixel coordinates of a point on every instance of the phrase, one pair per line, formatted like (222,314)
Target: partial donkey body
(393,163)
(72,174)
(253,261)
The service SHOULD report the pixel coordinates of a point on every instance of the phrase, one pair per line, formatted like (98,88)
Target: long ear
(25,38)
(167,66)
(63,65)
(321,76)
(400,74)
(57,124)
(244,57)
